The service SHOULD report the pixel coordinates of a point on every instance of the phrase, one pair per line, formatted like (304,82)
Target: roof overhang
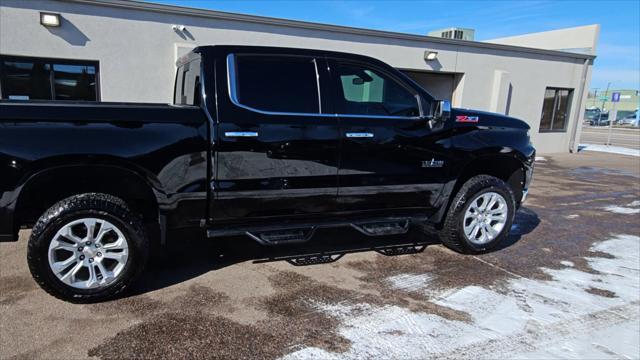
(220,15)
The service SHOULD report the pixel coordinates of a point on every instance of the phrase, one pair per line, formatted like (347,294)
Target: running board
(383,228)
(293,233)
(332,256)
(281,237)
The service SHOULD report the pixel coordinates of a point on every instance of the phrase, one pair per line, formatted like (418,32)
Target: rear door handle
(359,135)
(241,134)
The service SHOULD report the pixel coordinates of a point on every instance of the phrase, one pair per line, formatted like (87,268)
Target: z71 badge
(467,119)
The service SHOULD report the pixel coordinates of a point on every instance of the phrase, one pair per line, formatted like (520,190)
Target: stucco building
(117,50)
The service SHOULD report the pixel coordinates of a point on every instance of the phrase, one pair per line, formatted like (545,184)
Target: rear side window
(277,83)
(367,91)
(188,84)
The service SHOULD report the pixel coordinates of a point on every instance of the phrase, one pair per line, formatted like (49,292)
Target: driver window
(365,91)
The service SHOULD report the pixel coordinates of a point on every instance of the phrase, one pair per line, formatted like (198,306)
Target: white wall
(137,51)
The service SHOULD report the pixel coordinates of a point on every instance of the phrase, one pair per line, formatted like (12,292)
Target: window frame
(232,78)
(402,83)
(556,89)
(51,62)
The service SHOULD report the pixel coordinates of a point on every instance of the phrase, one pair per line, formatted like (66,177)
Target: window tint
(277,83)
(188,84)
(48,79)
(555,109)
(365,91)
(74,82)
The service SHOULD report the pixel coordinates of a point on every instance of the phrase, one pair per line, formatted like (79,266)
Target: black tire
(93,205)
(452,233)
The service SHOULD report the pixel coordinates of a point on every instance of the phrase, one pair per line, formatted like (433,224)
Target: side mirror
(443,110)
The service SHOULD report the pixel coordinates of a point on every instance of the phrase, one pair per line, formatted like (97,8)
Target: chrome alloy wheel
(88,253)
(485,217)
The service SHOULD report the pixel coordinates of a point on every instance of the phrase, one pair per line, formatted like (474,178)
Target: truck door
(390,157)
(277,143)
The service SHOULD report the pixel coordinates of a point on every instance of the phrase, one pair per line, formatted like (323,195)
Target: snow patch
(572,216)
(622,210)
(609,149)
(528,319)
(540,158)
(567,263)
(409,282)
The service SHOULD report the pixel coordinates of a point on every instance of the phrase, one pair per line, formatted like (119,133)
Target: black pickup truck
(266,142)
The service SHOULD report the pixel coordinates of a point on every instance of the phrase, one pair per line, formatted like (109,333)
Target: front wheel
(87,248)
(480,215)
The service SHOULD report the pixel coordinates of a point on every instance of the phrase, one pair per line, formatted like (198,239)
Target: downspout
(573,146)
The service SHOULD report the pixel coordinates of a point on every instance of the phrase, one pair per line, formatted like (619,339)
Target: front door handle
(241,134)
(359,135)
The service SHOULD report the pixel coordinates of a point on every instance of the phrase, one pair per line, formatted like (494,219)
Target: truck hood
(468,117)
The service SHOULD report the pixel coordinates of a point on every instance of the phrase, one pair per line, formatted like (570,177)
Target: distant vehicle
(630,120)
(591,114)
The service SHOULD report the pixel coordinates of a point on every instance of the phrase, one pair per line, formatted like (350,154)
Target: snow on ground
(574,315)
(540,158)
(609,149)
(631,208)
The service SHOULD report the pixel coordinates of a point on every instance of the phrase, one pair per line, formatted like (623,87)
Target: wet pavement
(565,284)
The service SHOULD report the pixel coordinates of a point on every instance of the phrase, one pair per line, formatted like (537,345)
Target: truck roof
(213,49)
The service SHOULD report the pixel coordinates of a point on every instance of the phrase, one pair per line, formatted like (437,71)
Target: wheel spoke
(104,229)
(117,256)
(69,235)
(106,275)
(492,232)
(69,277)
(90,224)
(469,228)
(59,266)
(93,279)
(116,245)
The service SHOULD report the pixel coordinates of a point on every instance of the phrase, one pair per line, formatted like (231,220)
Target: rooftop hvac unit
(454,33)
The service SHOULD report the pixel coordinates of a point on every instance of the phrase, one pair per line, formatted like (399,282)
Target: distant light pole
(595,96)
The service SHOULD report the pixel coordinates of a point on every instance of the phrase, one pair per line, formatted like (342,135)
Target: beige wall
(581,38)
(137,50)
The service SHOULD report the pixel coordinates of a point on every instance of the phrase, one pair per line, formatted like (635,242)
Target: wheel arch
(52,184)
(508,167)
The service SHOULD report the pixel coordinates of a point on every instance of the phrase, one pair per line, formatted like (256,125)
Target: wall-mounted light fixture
(430,55)
(49,19)
(178,27)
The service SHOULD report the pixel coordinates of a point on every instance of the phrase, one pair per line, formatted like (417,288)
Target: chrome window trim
(231,87)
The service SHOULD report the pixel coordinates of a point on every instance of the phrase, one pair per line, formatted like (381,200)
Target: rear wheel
(87,248)
(480,215)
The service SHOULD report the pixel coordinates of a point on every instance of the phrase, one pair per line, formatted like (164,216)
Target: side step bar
(332,256)
(299,233)
(280,237)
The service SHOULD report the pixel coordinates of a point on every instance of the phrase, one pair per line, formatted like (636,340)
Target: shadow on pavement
(193,254)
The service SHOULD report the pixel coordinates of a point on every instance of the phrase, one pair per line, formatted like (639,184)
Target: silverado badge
(433,163)
(467,119)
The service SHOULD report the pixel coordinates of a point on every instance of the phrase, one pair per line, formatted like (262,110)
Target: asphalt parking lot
(567,284)
(620,136)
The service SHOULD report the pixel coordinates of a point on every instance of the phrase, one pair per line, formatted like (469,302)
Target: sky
(618,60)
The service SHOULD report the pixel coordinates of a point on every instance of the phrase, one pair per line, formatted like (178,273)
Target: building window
(26,78)
(555,109)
